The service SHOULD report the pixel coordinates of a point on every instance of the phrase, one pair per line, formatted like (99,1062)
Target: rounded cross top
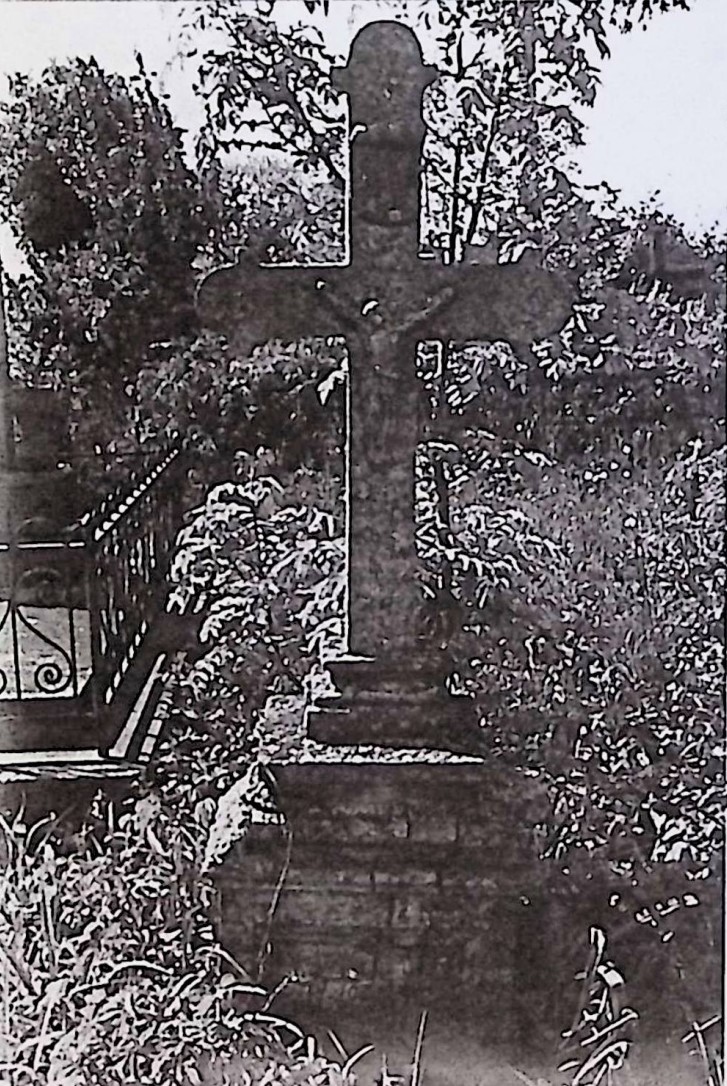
(385,75)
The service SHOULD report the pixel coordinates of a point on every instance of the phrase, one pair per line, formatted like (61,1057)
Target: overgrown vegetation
(570,505)
(112,971)
(109,219)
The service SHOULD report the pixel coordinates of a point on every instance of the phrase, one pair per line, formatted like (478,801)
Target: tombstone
(386,300)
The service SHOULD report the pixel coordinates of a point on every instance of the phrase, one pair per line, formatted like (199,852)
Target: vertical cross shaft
(392,673)
(387,299)
(384,80)
(385,598)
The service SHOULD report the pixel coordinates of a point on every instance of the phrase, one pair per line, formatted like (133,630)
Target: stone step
(435,723)
(61,764)
(420,669)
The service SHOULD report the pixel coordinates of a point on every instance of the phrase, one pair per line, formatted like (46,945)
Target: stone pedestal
(397,702)
(395,896)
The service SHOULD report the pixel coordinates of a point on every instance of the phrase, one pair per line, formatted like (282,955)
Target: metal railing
(130,544)
(44,625)
(74,612)
(44,620)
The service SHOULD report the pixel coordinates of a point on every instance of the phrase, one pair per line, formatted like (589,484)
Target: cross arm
(513,302)
(251,305)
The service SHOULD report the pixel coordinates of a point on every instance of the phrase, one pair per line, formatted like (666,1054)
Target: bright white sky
(659,122)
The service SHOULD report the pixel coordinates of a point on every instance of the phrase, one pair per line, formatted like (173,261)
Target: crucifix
(385,301)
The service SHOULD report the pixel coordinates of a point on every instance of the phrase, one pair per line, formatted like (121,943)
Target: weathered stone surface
(385,301)
(478,927)
(343,909)
(404,876)
(406,915)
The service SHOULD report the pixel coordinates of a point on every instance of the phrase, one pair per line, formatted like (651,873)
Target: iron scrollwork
(82,605)
(30,673)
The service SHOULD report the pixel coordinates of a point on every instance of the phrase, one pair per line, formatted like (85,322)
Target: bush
(615,584)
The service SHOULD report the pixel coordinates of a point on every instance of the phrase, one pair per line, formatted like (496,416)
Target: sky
(659,123)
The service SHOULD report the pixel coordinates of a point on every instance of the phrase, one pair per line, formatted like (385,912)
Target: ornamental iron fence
(76,612)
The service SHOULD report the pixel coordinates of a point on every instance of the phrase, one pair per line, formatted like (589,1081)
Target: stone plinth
(396,892)
(394,702)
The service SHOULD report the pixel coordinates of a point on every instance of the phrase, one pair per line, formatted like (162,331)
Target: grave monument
(401,876)
(385,301)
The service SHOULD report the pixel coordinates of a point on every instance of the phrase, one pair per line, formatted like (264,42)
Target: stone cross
(386,300)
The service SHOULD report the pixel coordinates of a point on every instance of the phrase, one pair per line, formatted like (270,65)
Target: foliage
(267,565)
(701,1038)
(579,544)
(107,260)
(604,1031)
(502,118)
(110,221)
(612,685)
(590,634)
(580,549)
(113,974)
(275,213)
(271,575)
(641,361)
(581,534)
(635,373)
(610,688)
(222,402)
(262,86)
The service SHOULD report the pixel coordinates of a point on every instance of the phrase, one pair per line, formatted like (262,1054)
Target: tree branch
(484,169)
(300,115)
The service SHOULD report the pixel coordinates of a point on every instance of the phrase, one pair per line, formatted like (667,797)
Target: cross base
(397,703)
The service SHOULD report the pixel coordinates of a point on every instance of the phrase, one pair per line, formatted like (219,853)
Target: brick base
(407,888)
